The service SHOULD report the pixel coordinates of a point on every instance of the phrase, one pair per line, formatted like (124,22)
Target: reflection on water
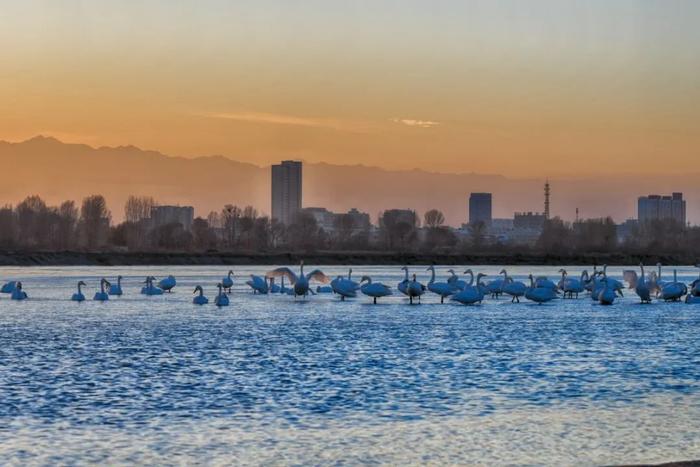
(271,380)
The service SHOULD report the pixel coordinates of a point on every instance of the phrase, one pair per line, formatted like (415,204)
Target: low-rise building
(164,215)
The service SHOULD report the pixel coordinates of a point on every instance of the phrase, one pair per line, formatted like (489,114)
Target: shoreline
(75,258)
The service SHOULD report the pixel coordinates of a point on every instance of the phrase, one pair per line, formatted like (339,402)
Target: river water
(271,380)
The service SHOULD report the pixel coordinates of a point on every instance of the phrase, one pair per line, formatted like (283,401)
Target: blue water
(271,380)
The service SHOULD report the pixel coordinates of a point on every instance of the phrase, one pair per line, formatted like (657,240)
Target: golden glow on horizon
(557,88)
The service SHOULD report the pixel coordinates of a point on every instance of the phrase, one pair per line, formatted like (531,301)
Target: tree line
(33,225)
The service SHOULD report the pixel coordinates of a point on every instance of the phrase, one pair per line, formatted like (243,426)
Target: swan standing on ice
(102,296)
(199,299)
(168,283)
(403,285)
(638,284)
(515,289)
(537,294)
(443,289)
(227,281)
(116,289)
(258,284)
(414,289)
(569,285)
(673,291)
(9,287)
(18,293)
(455,281)
(301,281)
(221,298)
(344,287)
(471,294)
(78,296)
(374,289)
(607,294)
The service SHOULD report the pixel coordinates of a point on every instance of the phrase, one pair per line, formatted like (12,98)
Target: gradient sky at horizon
(519,88)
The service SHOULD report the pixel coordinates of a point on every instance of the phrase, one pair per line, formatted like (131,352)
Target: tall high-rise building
(657,207)
(480,208)
(547,192)
(286,191)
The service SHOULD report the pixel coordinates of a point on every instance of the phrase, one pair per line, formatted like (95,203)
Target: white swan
(537,294)
(638,284)
(695,286)
(344,287)
(9,287)
(301,281)
(168,283)
(374,289)
(149,288)
(414,289)
(443,289)
(199,299)
(402,286)
(495,287)
(515,289)
(673,291)
(18,293)
(471,294)
(258,284)
(78,296)
(227,281)
(569,285)
(116,289)
(221,298)
(102,296)
(607,294)
(455,281)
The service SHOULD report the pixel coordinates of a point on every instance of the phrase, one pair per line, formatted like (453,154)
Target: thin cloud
(415,123)
(293,120)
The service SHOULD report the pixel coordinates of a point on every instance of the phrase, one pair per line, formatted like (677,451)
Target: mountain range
(57,171)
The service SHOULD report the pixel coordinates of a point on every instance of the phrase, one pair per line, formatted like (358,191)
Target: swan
(168,283)
(455,281)
(695,286)
(199,299)
(116,289)
(258,284)
(301,281)
(537,294)
(102,296)
(221,298)
(9,287)
(414,289)
(343,287)
(692,299)
(324,289)
(607,295)
(639,284)
(672,291)
(543,282)
(472,293)
(149,288)
(495,287)
(374,289)
(227,281)
(443,289)
(78,296)
(569,285)
(513,288)
(18,293)
(615,284)
(402,286)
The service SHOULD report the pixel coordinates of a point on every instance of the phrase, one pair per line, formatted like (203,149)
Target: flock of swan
(474,290)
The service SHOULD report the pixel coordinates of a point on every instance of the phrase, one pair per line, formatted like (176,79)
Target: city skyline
(523,90)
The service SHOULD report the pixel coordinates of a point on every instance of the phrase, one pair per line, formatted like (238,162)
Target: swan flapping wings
(631,278)
(319,276)
(283,272)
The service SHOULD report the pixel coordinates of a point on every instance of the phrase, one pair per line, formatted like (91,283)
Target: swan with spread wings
(301,281)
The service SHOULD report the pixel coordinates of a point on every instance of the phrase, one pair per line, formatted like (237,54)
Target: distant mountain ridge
(58,171)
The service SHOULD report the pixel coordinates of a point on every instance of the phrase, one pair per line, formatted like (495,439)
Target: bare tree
(434,219)
(94,219)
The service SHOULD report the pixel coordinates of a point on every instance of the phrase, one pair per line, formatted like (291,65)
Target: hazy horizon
(522,89)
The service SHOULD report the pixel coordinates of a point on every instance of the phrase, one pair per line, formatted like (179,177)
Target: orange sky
(517,88)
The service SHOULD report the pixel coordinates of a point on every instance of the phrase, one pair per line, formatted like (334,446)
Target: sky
(555,88)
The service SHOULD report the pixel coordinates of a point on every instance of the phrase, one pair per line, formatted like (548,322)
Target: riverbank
(74,258)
